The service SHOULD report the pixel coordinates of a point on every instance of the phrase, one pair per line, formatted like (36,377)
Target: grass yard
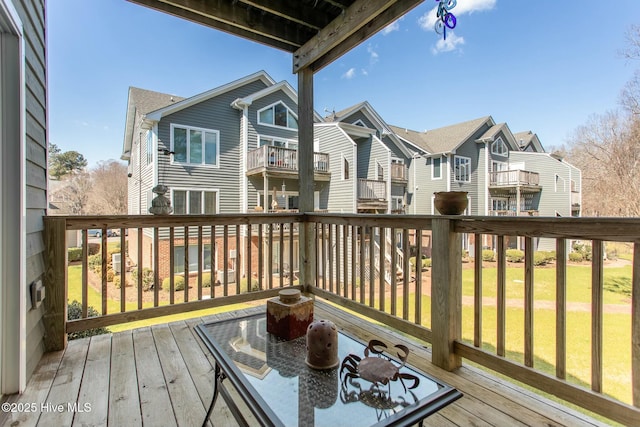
(544,289)
(95,301)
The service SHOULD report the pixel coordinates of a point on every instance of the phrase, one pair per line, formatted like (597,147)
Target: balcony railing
(398,172)
(514,178)
(369,189)
(283,159)
(433,306)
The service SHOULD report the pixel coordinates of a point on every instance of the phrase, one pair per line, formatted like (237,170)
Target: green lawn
(578,283)
(95,300)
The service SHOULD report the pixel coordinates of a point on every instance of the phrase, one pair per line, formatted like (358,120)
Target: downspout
(244,196)
(415,184)
(486,174)
(139,173)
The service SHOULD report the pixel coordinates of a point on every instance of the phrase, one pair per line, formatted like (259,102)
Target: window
(436,168)
(379,171)
(500,204)
(359,123)
(194,145)
(276,142)
(195,202)
(499,147)
(149,147)
(462,166)
(397,204)
(279,115)
(178,258)
(345,168)
(560,184)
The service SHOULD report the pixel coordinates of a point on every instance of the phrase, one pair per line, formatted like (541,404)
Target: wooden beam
(446,294)
(290,10)
(224,16)
(360,21)
(306,180)
(55,282)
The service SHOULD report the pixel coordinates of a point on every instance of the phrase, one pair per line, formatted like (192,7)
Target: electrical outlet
(37,293)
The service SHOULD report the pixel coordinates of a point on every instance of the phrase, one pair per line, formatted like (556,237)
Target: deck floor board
(163,376)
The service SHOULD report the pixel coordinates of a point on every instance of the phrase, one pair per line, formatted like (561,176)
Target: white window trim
(379,167)
(564,184)
(13,299)
(496,162)
(202,261)
(342,162)
(359,122)
(189,128)
(287,141)
(454,168)
(433,177)
(203,190)
(150,148)
(501,144)
(273,125)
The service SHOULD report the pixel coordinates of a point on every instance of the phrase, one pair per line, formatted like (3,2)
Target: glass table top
(274,375)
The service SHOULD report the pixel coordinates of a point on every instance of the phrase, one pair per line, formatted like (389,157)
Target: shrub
(584,250)
(426,262)
(549,255)
(540,258)
(94,248)
(74,254)
(206,280)
(110,275)
(147,278)
(178,283)
(117,282)
(488,255)
(95,262)
(576,257)
(74,311)
(243,285)
(514,255)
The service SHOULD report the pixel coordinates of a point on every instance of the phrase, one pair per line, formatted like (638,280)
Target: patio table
(271,377)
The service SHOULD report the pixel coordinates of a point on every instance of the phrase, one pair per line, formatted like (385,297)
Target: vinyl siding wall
(218,115)
(257,130)
(338,195)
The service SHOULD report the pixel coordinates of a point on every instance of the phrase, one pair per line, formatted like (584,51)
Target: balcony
(163,371)
(399,173)
(372,194)
(282,162)
(514,179)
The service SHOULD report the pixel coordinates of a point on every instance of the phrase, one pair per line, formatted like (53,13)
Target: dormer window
(278,114)
(360,123)
(499,147)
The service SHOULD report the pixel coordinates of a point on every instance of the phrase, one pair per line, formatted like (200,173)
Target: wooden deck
(163,376)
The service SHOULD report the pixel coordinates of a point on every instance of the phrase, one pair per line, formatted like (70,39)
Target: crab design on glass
(378,369)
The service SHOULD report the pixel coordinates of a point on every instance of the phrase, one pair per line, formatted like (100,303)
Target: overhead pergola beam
(360,21)
(247,22)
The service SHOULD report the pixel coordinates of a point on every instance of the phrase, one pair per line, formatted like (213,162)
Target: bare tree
(109,191)
(607,150)
(630,95)
(76,194)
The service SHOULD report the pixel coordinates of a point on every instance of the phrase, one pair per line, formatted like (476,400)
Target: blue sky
(543,65)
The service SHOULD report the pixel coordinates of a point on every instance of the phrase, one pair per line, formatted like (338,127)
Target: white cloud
(373,55)
(394,26)
(365,72)
(451,43)
(351,73)
(428,20)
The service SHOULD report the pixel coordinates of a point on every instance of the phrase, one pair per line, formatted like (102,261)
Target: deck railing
(398,172)
(370,189)
(283,159)
(514,177)
(424,299)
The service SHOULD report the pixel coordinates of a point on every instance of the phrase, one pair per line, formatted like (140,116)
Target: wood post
(55,282)
(305,176)
(446,294)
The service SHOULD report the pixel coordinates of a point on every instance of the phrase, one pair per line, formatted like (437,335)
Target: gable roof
(142,101)
(528,138)
(196,99)
(152,106)
(445,139)
(493,132)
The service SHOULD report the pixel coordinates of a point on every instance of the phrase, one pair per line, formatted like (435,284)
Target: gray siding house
(23,193)
(228,150)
